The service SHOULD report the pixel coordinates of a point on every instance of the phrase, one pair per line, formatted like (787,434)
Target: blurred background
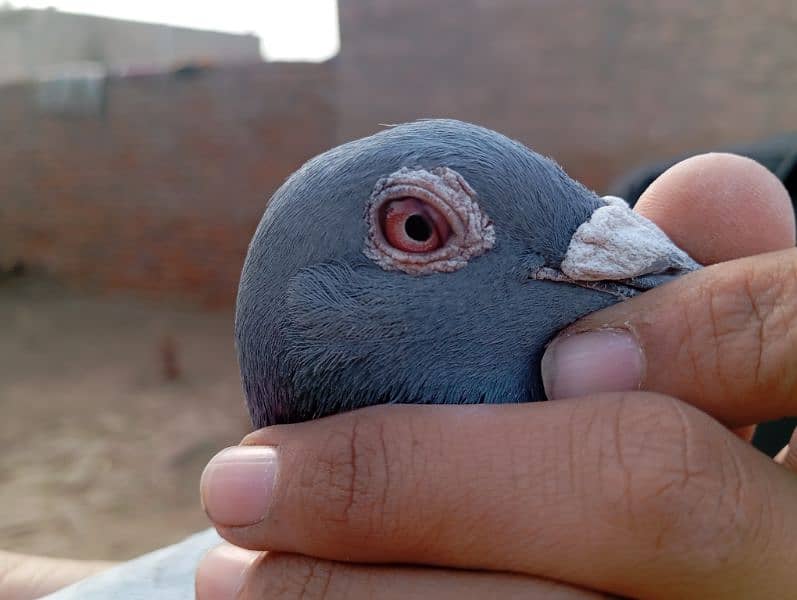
(140,141)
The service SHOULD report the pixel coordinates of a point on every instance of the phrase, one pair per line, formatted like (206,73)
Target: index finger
(724,338)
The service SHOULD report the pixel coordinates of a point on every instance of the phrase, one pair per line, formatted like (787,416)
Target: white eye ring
(472,232)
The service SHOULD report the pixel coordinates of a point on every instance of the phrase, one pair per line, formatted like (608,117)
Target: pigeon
(429,263)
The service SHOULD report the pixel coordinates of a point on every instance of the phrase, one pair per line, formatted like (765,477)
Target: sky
(304,30)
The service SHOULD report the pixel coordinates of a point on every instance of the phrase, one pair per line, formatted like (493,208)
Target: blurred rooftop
(35,43)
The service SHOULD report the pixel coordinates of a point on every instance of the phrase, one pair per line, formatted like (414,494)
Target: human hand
(626,491)
(24,577)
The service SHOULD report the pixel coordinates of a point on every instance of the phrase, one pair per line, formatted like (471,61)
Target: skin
(24,577)
(634,493)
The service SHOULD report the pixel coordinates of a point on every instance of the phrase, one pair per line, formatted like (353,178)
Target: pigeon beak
(619,252)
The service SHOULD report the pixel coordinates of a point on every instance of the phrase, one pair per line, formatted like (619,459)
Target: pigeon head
(429,263)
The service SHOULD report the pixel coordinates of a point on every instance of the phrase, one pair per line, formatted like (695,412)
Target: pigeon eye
(411,225)
(422,222)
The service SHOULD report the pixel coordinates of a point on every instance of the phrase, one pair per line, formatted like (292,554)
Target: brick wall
(162,193)
(600,86)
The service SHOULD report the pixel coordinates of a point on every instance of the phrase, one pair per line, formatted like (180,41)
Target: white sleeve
(165,574)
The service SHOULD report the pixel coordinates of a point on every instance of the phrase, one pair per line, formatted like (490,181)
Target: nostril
(418,228)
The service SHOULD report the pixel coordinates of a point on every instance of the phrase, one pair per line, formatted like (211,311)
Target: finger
(781,456)
(24,577)
(637,495)
(722,339)
(788,456)
(749,212)
(713,338)
(227,573)
(719,207)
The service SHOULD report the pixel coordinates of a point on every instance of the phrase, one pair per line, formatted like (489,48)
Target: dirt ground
(101,451)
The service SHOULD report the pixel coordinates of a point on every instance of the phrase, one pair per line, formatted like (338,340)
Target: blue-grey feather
(321,329)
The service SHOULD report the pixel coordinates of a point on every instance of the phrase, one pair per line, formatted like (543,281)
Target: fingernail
(592,362)
(237,484)
(222,572)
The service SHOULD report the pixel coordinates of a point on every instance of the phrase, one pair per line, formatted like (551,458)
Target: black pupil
(418,228)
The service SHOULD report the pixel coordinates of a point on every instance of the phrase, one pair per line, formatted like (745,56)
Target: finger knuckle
(742,330)
(348,484)
(680,483)
(770,292)
(293,577)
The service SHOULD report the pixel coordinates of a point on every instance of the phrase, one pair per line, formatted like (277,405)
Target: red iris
(412,225)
